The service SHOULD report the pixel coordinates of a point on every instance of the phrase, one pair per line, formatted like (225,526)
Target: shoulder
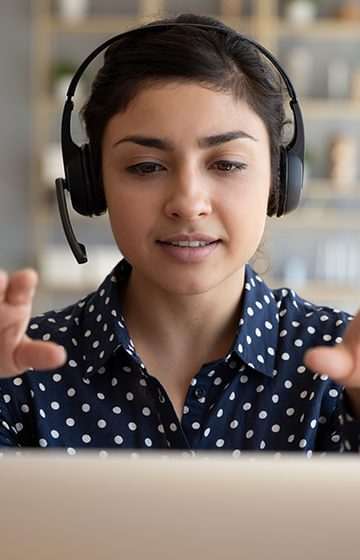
(290,314)
(297,312)
(58,324)
(303,325)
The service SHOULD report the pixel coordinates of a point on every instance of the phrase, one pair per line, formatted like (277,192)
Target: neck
(172,322)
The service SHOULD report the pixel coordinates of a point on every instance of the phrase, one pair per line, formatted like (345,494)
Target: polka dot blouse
(260,397)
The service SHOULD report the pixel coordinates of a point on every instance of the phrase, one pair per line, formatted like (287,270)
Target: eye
(145,168)
(229,166)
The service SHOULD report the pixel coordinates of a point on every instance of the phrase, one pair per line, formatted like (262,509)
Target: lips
(201,243)
(193,240)
(189,248)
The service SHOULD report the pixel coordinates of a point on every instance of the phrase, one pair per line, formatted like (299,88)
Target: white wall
(15,138)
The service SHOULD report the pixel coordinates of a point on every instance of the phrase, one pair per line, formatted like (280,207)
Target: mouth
(189,249)
(191,244)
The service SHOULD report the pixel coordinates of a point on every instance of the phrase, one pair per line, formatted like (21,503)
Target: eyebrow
(205,142)
(217,139)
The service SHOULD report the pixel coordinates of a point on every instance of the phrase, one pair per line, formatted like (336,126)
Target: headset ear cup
(295,177)
(283,186)
(86,192)
(276,195)
(75,181)
(94,192)
(290,182)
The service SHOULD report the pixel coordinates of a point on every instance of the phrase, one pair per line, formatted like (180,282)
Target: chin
(193,287)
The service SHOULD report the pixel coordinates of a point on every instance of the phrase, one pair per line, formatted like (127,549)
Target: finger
(21,287)
(337,362)
(36,354)
(4,279)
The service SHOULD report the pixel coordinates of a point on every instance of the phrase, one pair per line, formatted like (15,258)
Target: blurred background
(315,250)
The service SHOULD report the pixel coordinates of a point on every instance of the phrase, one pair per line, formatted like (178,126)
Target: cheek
(126,235)
(248,200)
(123,217)
(245,212)
(130,218)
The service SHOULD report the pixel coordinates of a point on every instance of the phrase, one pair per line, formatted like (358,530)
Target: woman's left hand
(341,362)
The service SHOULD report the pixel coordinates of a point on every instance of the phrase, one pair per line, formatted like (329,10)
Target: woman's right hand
(18,352)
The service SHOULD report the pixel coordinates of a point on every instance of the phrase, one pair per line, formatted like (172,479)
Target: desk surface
(152,507)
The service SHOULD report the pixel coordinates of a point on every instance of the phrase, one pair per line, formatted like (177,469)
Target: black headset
(81,178)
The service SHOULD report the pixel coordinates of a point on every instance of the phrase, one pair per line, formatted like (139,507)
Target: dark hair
(220,61)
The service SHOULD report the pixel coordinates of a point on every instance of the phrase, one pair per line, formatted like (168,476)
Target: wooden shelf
(321,219)
(264,24)
(93,24)
(322,292)
(325,108)
(324,189)
(320,29)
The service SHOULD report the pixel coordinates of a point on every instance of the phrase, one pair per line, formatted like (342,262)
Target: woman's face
(187,174)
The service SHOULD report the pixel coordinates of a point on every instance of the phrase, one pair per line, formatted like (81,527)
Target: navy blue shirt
(260,397)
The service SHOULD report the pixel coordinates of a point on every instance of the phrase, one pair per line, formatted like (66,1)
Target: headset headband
(66,136)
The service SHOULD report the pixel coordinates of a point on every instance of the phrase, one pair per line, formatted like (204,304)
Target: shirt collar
(101,309)
(255,342)
(257,335)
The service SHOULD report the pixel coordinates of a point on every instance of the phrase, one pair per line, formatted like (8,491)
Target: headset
(81,180)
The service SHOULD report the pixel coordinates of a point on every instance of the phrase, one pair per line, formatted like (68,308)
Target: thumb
(337,362)
(39,354)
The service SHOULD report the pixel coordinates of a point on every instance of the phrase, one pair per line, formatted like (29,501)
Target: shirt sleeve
(350,426)
(8,430)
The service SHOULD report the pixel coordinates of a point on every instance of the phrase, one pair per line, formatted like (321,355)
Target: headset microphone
(78,249)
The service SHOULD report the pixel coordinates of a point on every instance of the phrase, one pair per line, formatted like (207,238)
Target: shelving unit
(326,213)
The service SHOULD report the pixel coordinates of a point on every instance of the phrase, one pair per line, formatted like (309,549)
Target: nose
(189,196)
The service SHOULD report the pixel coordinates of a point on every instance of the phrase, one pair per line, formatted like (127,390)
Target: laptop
(145,507)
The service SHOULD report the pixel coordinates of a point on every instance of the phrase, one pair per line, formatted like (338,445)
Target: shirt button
(200,392)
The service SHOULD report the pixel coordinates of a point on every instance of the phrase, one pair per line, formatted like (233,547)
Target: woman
(183,346)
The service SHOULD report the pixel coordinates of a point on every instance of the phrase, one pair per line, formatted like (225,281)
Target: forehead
(177,106)
(185,89)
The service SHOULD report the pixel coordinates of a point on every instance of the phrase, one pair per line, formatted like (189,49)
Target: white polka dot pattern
(259,398)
